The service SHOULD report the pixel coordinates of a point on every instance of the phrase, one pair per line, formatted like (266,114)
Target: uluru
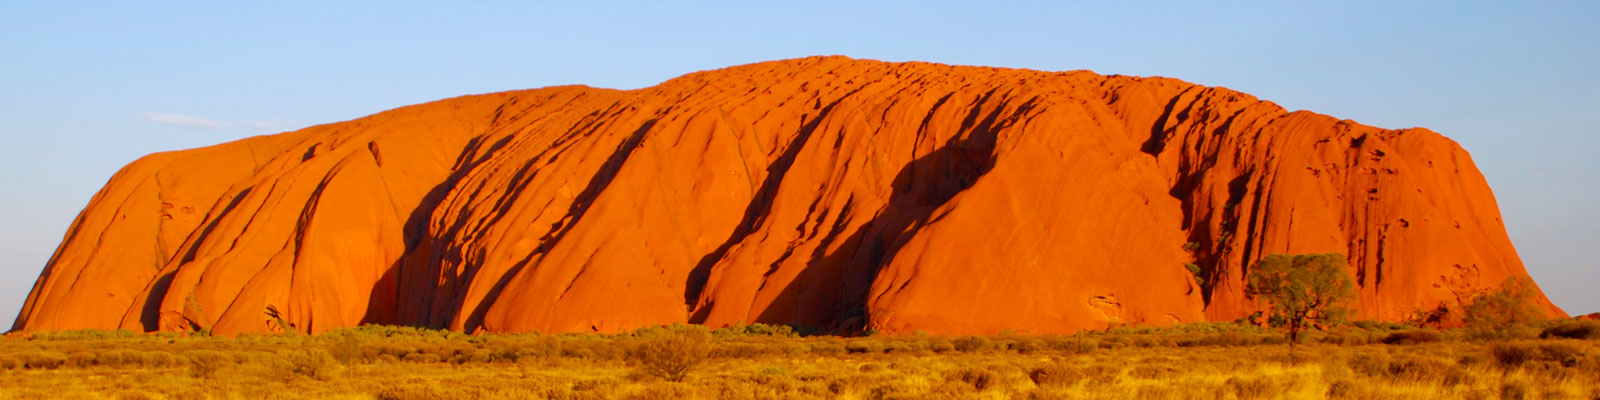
(830,193)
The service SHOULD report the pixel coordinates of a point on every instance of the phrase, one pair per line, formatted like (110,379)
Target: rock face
(827,192)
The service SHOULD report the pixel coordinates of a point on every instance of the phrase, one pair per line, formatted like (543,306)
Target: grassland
(1198,361)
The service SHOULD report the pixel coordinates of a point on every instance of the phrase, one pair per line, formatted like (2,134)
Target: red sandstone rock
(825,192)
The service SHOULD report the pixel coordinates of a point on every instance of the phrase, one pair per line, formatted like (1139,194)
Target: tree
(1508,311)
(1304,290)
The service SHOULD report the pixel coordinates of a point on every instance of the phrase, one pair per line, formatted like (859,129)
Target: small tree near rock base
(672,354)
(1507,312)
(1303,290)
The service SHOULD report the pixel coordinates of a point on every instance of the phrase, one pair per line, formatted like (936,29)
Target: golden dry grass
(1202,361)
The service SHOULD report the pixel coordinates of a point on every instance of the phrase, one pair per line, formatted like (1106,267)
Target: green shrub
(316,364)
(1429,370)
(1515,390)
(1253,388)
(859,346)
(1054,374)
(348,350)
(156,359)
(672,355)
(1370,364)
(136,395)
(1410,337)
(205,364)
(1512,355)
(1199,274)
(86,334)
(1345,338)
(1026,346)
(757,329)
(849,384)
(423,392)
(1573,329)
(421,358)
(41,360)
(80,359)
(980,379)
(1505,313)
(1344,389)
(1153,372)
(968,344)
(1226,339)
(118,358)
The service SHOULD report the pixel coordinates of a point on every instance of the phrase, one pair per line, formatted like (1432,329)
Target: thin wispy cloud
(193,122)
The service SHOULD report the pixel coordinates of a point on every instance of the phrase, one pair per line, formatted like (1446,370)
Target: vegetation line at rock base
(1204,360)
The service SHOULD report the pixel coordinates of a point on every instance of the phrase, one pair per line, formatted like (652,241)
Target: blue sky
(86,87)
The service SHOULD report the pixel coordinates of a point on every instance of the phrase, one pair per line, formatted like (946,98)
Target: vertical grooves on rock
(871,193)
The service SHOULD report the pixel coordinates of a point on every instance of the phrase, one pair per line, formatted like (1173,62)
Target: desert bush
(672,355)
(41,360)
(1344,389)
(136,395)
(902,346)
(1247,388)
(548,346)
(1153,372)
(743,350)
(1144,341)
(376,350)
(422,392)
(1428,370)
(1511,355)
(1076,344)
(1344,338)
(768,366)
(1505,313)
(1416,336)
(849,384)
(1226,339)
(348,351)
(827,349)
(315,364)
(1370,364)
(662,390)
(1274,340)
(86,334)
(980,379)
(968,344)
(1515,390)
(474,356)
(118,358)
(1061,374)
(1053,375)
(757,329)
(1379,326)
(421,358)
(205,364)
(80,359)
(160,359)
(1517,355)
(1573,329)
(859,346)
